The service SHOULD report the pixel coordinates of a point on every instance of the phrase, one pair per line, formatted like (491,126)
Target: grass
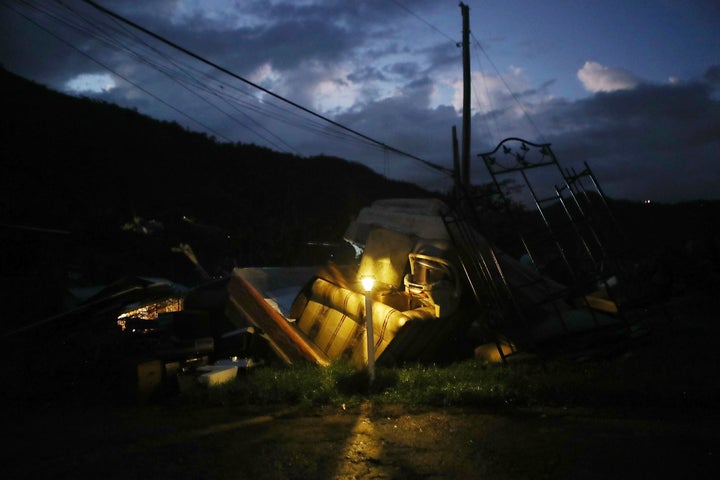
(641,377)
(676,365)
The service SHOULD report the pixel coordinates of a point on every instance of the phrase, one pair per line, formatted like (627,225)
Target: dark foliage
(108,192)
(88,168)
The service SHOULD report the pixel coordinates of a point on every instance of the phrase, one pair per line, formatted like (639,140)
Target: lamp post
(368,282)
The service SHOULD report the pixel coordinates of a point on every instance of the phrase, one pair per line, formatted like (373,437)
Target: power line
(490,118)
(512,94)
(477,44)
(107,67)
(424,21)
(263,89)
(207,88)
(193,87)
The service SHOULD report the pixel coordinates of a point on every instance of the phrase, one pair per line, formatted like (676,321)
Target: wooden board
(290,344)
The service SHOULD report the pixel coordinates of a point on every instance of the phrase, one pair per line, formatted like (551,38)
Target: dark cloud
(532,92)
(712,76)
(366,74)
(403,69)
(285,45)
(655,141)
(641,139)
(407,121)
(660,142)
(442,57)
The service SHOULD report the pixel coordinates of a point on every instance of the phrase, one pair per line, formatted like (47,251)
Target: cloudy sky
(630,87)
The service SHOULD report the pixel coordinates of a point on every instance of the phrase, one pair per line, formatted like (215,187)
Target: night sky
(631,87)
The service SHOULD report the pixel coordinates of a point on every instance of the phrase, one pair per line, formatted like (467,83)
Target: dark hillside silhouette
(67,159)
(89,167)
(107,192)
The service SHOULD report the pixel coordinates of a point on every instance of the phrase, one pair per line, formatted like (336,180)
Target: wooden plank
(291,344)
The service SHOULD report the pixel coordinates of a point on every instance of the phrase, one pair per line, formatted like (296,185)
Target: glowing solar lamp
(368,282)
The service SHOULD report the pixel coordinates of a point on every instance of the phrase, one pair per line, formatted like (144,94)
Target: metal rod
(370,336)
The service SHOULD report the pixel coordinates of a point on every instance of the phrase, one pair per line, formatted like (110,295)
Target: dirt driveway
(60,438)
(363,442)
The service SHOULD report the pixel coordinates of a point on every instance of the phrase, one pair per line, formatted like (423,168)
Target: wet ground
(363,442)
(56,439)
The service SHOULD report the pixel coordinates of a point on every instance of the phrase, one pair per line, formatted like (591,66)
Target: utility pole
(465,174)
(457,175)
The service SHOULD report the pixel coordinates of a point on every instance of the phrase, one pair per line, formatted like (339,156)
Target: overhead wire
(510,90)
(92,30)
(289,116)
(430,25)
(118,36)
(490,117)
(499,75)
(190,73)
(195,82)
(186,80)
(263,89)
(118,74)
